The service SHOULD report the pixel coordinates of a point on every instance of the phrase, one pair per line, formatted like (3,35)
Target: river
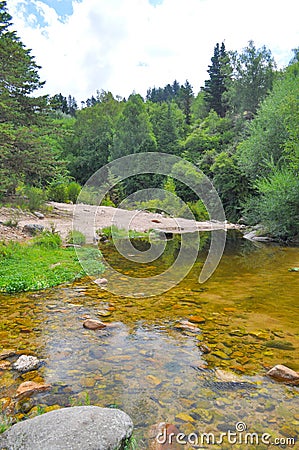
(152,366)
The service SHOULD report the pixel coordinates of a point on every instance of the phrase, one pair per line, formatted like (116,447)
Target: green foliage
(231,184)
(76,237)
(277,203)
(88,148)
(216,86)
(58,190)
(199,210)
(73,190)
(119,233)
(130,444)
(36,197)
(274,133)
(133,133)
(168,126)
(5,423)
(252,78)
(48,240)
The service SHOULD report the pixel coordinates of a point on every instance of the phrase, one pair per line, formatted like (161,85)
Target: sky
(126,46)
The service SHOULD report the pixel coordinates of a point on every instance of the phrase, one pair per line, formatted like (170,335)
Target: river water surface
(154,368)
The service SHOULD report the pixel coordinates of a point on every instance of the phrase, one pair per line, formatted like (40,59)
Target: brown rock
(160,437)
(28,388)
(204,349)
(7,354)
(197,319)
(4,365)
(185,325)
(92,324)
(284,373)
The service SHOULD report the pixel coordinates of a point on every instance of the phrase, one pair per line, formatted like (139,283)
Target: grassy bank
(42,263)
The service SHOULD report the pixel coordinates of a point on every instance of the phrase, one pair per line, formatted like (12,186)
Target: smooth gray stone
(76,428)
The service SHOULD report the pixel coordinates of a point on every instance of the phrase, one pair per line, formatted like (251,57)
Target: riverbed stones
(92,324)
(284,374)
(88,427)
(7,354)
(29,388)
(101,281)
(26,363)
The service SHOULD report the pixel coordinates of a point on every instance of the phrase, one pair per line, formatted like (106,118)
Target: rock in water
(92,324)
(76,428)
(284,373)
(28,388)
(25,363)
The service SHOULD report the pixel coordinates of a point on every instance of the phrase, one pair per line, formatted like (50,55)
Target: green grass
(43,264)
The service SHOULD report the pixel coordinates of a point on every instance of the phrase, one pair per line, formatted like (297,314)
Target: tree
(26,154)
(185,100)
(18,77)
(274,133)
(215,87)
(168,125)
(133,133)
(253,76)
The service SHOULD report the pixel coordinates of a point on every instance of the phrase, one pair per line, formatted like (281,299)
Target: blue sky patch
(155,2)
(63,8)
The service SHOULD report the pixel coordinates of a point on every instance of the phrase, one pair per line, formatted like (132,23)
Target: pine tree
(216,86)
(185,100)
(26,152)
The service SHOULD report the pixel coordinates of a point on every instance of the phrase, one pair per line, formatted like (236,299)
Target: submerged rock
(25,363)
(28,388)
(163,436)
(284,373)
(92,324)
(76,428)
(7,354)
(101,281)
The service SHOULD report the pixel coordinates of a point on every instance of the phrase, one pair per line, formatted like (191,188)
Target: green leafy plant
(48,239)
(36,197)
(130,444)
(73,190)
(76,237)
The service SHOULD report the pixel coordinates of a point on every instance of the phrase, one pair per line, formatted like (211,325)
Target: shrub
(73,190)
(57,192)
(76,237)
(36,197)
(48,239)
(277,205)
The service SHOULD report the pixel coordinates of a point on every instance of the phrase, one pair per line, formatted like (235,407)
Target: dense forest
(241,130)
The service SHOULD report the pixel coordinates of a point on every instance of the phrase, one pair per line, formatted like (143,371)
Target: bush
(277,205)
(73,190)
(199,210)
(57,192)
(76,237)
(36,197)
(48,239)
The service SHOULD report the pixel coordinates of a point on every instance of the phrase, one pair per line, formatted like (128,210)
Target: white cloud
(126,45)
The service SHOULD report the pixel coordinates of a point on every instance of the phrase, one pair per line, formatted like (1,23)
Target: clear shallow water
(152,369)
